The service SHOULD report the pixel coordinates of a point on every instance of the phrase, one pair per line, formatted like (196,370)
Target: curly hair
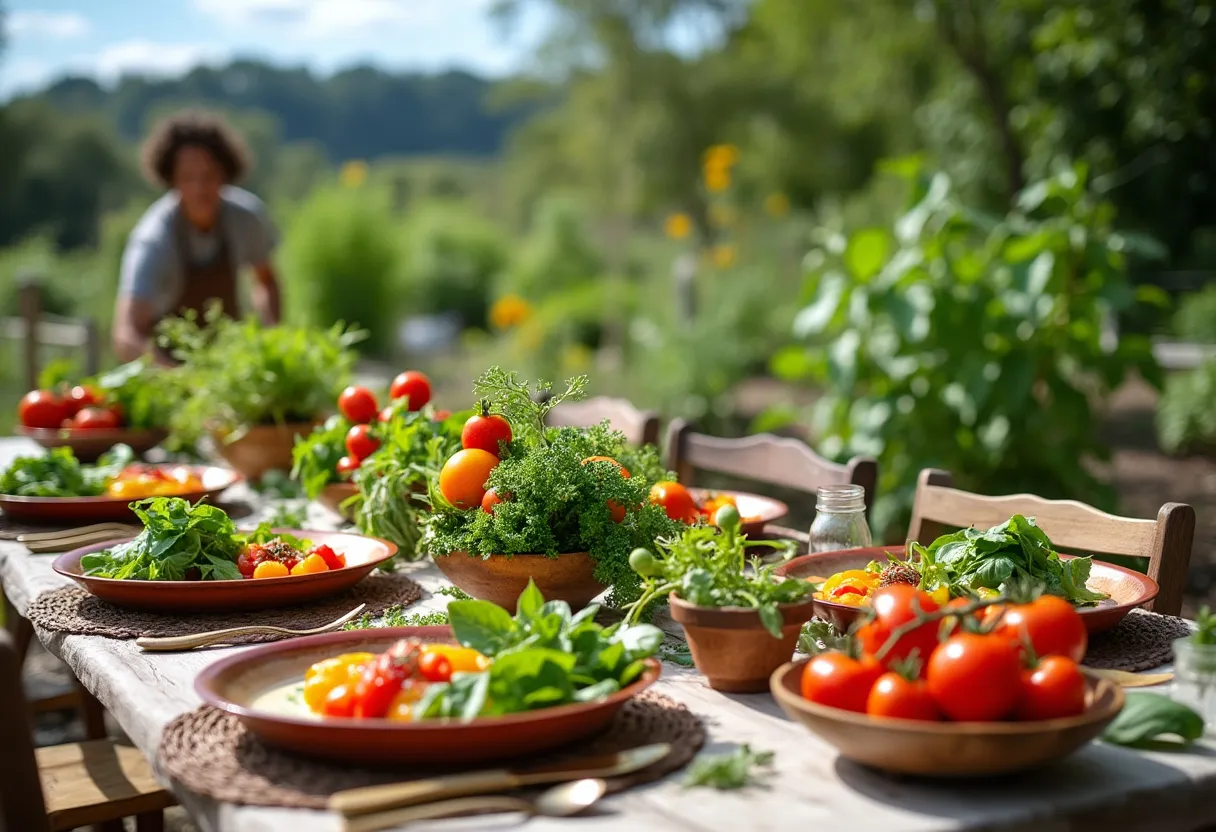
(193,128)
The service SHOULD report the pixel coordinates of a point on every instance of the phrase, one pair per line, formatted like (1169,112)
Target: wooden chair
(1072,526)
(641,427)
(68,786)
(765,458)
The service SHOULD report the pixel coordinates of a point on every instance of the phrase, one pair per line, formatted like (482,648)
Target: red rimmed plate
(254,685)
(1127,588)
(363,554)
(88,445)
(215,481)
(756,510)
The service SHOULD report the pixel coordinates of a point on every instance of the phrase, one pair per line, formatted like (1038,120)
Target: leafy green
(315,456)
(287,515)
(1147,717)
(264,533)
(1186,420)
(1205,629)
(146,394)
(544,655)
(395,616)
(557,504)
(1016,551)
(705,566)
(730,770)
(59,474)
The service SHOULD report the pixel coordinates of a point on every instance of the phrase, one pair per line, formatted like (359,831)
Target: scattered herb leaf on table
(730,770)
(1150,720)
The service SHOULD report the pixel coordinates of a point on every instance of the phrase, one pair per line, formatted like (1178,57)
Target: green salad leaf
(1016,551)
(146,394)
(59,474)
(1147,718)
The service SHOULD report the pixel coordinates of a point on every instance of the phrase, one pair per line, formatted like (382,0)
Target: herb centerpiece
(561,506)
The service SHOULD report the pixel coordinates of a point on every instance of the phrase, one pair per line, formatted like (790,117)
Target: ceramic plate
(88,445)
(1127,588)
(71,509)
(363,554)
(240,684)
(756,510)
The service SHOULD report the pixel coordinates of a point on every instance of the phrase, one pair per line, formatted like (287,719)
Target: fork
(218,637)
(66,539)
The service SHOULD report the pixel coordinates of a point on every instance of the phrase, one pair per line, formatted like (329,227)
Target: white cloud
(325,18)
(58,25)
(144,57)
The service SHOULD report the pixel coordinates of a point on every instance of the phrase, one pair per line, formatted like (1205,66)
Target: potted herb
(1195,667)
(254,388)
(561,506)
(741,624)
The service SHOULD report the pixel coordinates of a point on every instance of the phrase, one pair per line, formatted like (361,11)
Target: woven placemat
(1143,640)
(72,610)
(211,751)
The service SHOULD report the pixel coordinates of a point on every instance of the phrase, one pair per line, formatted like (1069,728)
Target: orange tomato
(676,501)
(463,659)
(270,569)
(463,478)
(323,677)
(308,566)
(618,511)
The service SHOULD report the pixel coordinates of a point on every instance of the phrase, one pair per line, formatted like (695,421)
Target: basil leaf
(483,626)
(599,690)
(529,604)
(771,618)
(1147,717)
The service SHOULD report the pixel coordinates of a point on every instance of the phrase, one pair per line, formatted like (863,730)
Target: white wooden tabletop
(1100,787)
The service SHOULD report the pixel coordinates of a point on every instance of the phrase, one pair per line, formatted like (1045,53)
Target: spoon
(215,637)
(562,801)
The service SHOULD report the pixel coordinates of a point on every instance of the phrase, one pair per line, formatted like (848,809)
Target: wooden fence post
(29,297)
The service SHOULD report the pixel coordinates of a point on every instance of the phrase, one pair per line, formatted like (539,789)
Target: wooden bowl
(756,510)
(948,749)
(234,684)
(262,448)
(363,554)
(88,445)
(501,578)
(73,509)
(1127,588)
(335,494)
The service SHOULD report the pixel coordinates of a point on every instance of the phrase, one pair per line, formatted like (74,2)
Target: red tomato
(386,415)
(490,500)
(893,606)
(332,559)
(95,418)
(42,409)
(347,466)
(380,682)
(975,678)
(839,681)
(81,397)
(1053,690)
(1053,626)
(463,478)
(245,564)
(435,667)
(340,701)
(484,431)
(360,444)
(414,385)
(900,698)
(358,404)
(676,501)
(618,511)
(442,415)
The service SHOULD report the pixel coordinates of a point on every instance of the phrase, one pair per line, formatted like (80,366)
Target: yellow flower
(576,357)
(509,311)
(722,216)
(677,226)
(777,204)
(723,255)
(717,179)
(353,174)
(721,156)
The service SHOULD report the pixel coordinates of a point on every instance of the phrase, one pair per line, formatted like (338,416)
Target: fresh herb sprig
(524,409)
(730,770)
(315,456)
(706,566)
(58,473)
(396,616)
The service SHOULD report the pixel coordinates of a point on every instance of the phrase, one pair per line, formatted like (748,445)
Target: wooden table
(1101,787)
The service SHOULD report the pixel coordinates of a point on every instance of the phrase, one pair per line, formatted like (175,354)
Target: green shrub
(1186,414)
(1195,319)
(557,255)
(454,258)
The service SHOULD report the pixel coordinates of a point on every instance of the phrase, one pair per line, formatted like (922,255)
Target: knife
(352,802)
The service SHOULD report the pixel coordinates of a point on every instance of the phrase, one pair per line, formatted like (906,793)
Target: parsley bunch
(557,503)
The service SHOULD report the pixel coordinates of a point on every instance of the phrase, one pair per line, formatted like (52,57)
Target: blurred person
(187,249)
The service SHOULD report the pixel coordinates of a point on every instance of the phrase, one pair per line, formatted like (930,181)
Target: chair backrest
(21,805)
(1072,527)
(641,427)
(766,458)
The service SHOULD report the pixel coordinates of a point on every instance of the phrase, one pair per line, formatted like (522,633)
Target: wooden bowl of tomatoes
(82,421)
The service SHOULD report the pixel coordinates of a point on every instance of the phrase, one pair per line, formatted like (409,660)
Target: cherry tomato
(900,698)
(80,397)
(414,385)
(442,415)
(975,678)
(380,682)
(485,430)
(42,409)
(1053,690)
(358,404)
(348,465)
(95,418)
(894,606)
(490,500)
(618,511)
(386,415)
(463,478)
(676,501)
(839,681)
(340,701)
(435,667)
(332,559)
(245,564)
(848,589)
(360,444)
(1053,626)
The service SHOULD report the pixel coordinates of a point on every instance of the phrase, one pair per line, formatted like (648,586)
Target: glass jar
(840,519)
(1195,678)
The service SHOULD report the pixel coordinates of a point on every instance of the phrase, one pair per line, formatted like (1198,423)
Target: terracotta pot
(732,648)
(335,494)
(501,578)
(263,448)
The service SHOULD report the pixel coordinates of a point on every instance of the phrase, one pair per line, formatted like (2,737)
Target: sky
(47,39)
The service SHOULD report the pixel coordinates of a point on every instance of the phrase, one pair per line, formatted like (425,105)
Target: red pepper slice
(847,589)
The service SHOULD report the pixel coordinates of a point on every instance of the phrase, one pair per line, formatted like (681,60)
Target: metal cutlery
(67,539)
(217,637)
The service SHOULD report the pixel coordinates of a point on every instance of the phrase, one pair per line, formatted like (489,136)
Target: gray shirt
(153,265)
